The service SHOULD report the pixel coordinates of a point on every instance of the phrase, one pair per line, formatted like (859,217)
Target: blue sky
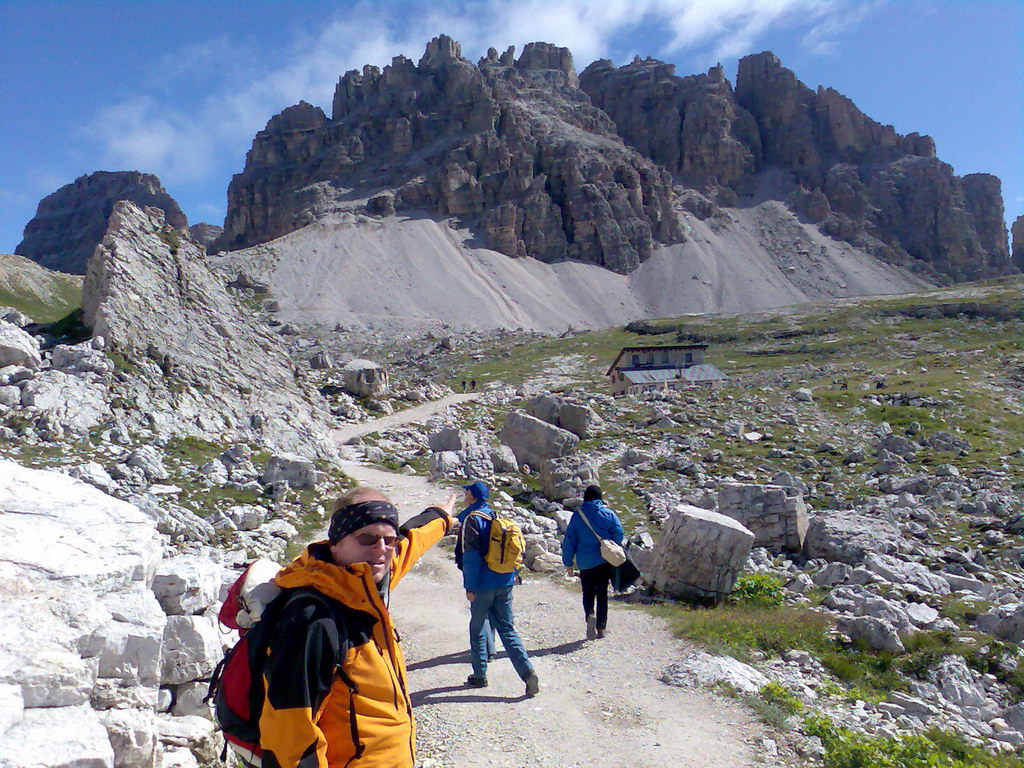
(180,88)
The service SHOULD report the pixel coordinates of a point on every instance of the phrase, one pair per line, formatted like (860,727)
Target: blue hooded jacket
(472,544)
(581,544)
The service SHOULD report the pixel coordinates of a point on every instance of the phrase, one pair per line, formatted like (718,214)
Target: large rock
(578,418)
(513,146)
(848,536)
(204,366)
(71,222)
(365,378)
(297,471)
(699,555)
(707,671)
(75,403)
(60,737)
(534,441)
(77,612)
(776,516)
(567,477)
(18,347)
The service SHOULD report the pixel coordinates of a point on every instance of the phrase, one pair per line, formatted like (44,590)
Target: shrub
(779,695)
(845,748)
(760,589)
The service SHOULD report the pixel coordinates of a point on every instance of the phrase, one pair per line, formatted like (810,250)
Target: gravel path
(601,703)
(398,418)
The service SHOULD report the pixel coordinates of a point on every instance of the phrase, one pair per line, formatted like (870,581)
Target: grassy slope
(40,293)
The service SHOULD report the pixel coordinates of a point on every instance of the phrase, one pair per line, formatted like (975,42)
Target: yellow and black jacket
(317,713)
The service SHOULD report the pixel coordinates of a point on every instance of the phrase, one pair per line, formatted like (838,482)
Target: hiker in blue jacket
(581,544)
(473,503)
(489,594)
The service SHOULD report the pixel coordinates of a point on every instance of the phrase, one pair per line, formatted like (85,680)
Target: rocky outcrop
(773,136)
(70,223)
(204,233)
(203,366)
(1017,231)
(512,147)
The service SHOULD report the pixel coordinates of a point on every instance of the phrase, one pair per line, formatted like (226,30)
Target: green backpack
(505,545)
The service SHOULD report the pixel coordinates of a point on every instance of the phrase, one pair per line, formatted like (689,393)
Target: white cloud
(184,142)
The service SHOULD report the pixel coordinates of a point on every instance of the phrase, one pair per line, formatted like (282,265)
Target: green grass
(845,748)
(62,298)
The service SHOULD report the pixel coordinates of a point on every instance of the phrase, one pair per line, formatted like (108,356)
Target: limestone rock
(18,347)
(82,740)
(567,477)
(848,536)
(708,671)
(365,378)
(776,516)
(206,366)
(860,180)
(204,233)
(186,584)
(297,471)
(534,441)
(699,555)
(513,147)
(1017,230)
(71,222)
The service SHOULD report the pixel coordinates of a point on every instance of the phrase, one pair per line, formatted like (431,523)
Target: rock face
(1018,242)
(858,179)
(512,147)
(70,223)
(205,367)
(204,233)
(79,617)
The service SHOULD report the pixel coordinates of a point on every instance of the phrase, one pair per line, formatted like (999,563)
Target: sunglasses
(371,539)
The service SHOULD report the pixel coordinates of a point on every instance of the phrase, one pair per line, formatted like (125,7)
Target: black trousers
(595,587)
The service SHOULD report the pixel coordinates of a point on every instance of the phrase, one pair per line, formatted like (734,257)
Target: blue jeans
(494,606)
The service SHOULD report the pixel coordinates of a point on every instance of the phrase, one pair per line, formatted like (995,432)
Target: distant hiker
(489,591)
(463,385)
(472,504)
(581,544)
(336,691)
(472,385)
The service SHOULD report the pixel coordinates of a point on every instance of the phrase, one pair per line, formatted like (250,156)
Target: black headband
(359,515)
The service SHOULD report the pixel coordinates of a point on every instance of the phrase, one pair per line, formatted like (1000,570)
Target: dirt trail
(397,419)
(601,703)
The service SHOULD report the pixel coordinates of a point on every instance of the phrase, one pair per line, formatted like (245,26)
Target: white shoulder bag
(612,552)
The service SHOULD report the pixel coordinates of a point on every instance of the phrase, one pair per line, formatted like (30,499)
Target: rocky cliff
(1018,242)
(70,223)
(511,146)
(773,137)
(544,163)
(201,365)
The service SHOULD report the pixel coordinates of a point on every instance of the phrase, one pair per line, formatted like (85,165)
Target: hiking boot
(492,656)
(591,627)
(600,633)
(532,685)
(476,682)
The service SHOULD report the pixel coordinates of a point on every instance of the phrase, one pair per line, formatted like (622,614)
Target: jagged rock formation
(202,366)
(70,223)
(860,180)
(1017,231)
(204,233)
(511,146)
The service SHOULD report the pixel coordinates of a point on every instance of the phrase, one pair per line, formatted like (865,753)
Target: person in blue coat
(489,594)
(581,544)
(476,497)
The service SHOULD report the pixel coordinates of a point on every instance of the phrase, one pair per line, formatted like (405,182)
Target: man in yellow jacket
(336,693)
